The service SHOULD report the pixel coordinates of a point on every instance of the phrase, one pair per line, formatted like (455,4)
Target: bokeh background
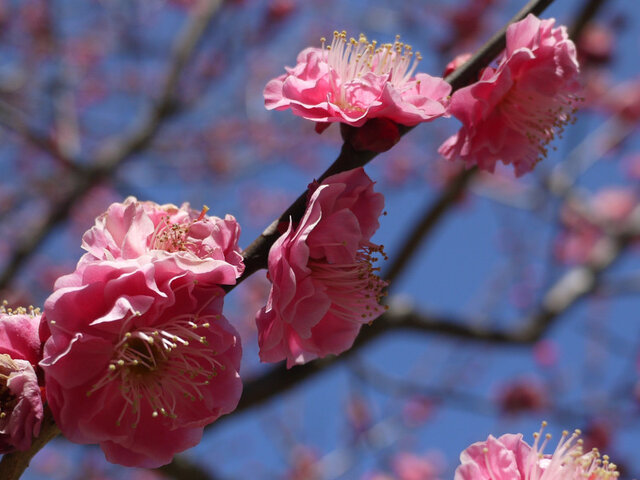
(506,314)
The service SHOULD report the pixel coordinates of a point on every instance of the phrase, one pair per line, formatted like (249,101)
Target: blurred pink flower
(407,466)
(583,224)
(21,408)
(596,43)
(324,285)
(546,353)
(457,62)
(509,457)
(197,242)
(139,358)
(515,110)
(352,81)
(624,100)
(522,395)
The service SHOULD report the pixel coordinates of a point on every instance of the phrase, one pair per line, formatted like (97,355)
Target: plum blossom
(509,457)
(137,354)
(514,111)
(139,359)
(352,81)
(408,466)
(324,286)
(197,241)
(21,409)
(584,224)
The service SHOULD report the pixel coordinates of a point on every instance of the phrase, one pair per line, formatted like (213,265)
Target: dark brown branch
(115,151)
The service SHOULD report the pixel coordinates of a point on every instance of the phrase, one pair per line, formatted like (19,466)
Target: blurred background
(519,305)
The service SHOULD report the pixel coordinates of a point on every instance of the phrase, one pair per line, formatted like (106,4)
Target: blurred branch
(588,12)
(13,465)
(16,121)
(466,401)
(114,152)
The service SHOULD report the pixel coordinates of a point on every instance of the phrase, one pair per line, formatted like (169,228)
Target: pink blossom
(596,43)
(456,63)
(408,466)
(352,81)
(21,408)
(197,242)
(583,224)
(523,395)
(324,286)
(515,110)
(509,457)
(624,100)
(139,358)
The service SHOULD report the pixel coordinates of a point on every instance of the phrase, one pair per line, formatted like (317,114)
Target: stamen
(352,58)
(158,365)
(355,288)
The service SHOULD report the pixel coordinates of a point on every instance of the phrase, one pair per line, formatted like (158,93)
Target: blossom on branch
(585,221)
(196,241)
(352,81)
(509,457)
(138,356)
(514,111)
(139,360)
(21,408)
(324,284)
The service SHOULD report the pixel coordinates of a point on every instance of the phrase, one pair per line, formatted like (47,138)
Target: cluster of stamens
(174,237)
(541,117)
(162,366)
(568,460)
(355,288)
(352,58)
(30,310)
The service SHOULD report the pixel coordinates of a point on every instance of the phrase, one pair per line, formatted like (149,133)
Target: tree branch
(115,151)
(16,121)
(255,255)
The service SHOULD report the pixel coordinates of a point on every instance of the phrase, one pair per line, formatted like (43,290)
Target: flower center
(174,237)
(30,310)
(538,116)
(354,288)
(162,366)
(567,461)
(353,58)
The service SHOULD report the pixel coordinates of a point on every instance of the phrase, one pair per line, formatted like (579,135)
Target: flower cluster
(138,356)
(135,352)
